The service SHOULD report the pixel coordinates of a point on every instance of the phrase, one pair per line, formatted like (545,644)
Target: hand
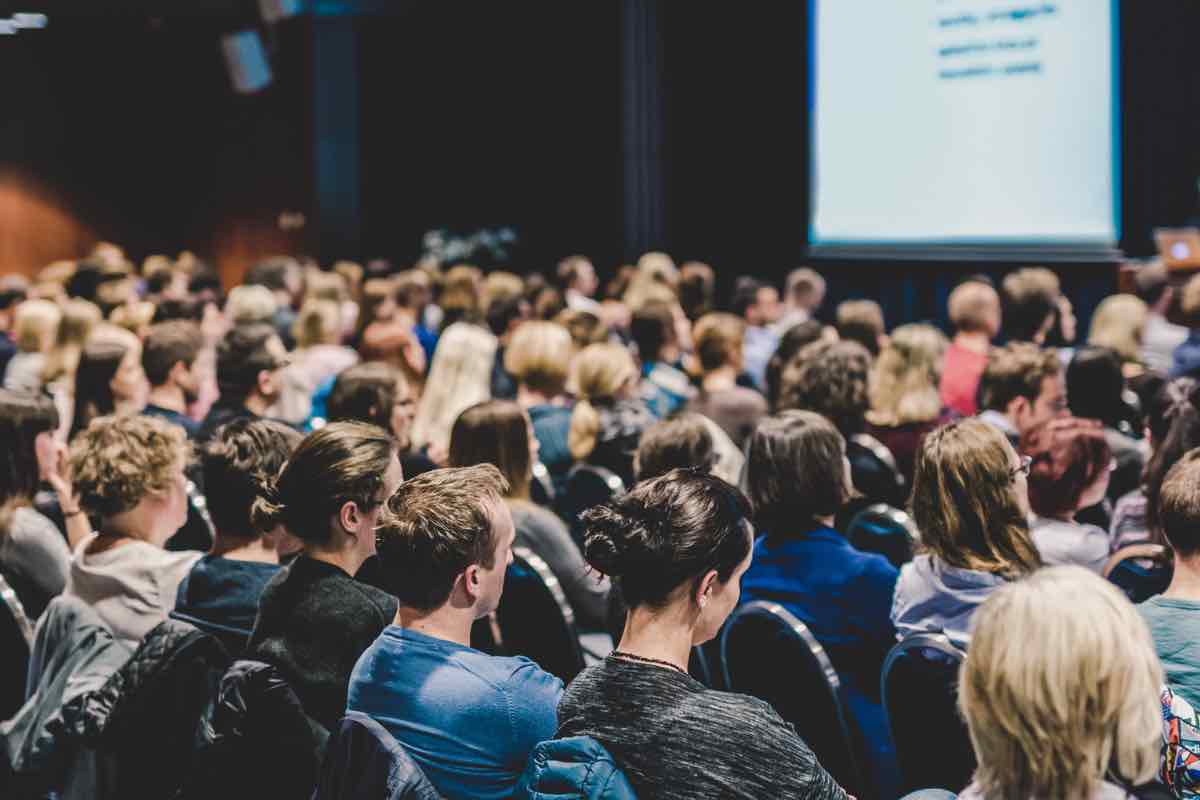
(58,473)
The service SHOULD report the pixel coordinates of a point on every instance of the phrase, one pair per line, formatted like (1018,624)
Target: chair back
(535,619)
(16,640)
(768,653)
(885,530)
(365,760)
(920,698)
(587,485)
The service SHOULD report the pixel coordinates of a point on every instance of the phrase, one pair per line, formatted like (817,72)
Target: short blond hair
(499,286)
(1118,324)
(972,306)
(717,338)
(116,461)
(1078,697)
(35,325)
(318,322)
(252,303)
(904,378)
(600,372)
(539,356)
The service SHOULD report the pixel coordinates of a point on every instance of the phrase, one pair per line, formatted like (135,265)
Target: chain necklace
(645,660)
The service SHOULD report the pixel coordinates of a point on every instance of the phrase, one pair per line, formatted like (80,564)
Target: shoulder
(534,516)
(30,526)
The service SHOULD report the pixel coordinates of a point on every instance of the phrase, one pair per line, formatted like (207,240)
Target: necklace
(644,660)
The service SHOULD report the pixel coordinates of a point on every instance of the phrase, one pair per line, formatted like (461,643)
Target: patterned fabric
(1181,746)
(1129,524)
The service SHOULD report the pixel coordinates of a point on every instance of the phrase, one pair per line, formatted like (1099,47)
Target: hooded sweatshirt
(933,597)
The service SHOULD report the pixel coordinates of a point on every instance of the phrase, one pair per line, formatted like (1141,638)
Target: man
(803,294)
(169,355)
(1021,387)
(862,321)
(758,304)
(468,719)
(577,277)
(975,314)
(249,361)
(1159,337)
(1032,303)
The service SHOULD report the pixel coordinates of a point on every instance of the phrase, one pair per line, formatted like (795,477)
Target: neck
(447,622)
(527,397)
(168,397)
(720,379)
(975,341)
(257,404)
(349,560)
(1185,583)
(128,525)
(661,634)
(244,548)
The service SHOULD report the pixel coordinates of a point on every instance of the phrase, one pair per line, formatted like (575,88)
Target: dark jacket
(575,767)
(364,760)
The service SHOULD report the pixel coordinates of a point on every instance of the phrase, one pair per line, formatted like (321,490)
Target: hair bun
(614,542)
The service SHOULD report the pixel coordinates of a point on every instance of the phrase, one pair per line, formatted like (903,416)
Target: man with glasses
(1021,388)
(250,359)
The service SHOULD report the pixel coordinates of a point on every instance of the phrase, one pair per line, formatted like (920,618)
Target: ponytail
(585,428)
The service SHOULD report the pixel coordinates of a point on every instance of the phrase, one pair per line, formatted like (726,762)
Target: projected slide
(964,122)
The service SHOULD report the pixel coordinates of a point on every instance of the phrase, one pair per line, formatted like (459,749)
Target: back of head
(571,269)
(830,378)
(494,432)
(1069,455)
(1179,505)
(718,339)
(584,327)
(697,284)
(98,364)
(1016,370)
(964,504)
(35,325)
(1075,702)
(342,462)
(1183,435)
(168,344)
(539,356)
(319,322)
(438,524)
(1030,298)
(745,294)
(680,442)
(906,376)
(240,463)
(459,376)
(1118,324)
(242,354)
(499,286)
(1151,280)
(861,321)
(805,289)
(22,419)
(250,304)
(667,532)
(118,460)
(1095,384)
(271,273)
(652,328)
(364,393)
(974,307)
(795,472)
(793,341)
(601,371)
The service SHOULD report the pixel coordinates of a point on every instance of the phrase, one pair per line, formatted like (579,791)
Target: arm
(79,527)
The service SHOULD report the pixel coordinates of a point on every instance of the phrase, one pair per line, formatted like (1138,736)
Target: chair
(1140,570)
(768,653)
(885,530)
(364,760)
(535,619)
(587,485)
(920,698)
(16,641)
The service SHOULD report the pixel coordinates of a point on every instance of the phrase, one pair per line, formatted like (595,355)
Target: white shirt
(1060,542)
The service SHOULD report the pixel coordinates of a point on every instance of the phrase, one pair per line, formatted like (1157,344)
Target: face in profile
(404,409)
(722,599)
(491,579)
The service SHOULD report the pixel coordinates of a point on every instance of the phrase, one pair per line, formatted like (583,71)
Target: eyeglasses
(1023,468)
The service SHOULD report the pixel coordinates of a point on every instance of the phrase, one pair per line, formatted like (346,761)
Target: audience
(862,321)
(468,719)
(1185,359)
(12,295)
(719,339)
(681,442)
(577,279)
(109,378)
(35,327)
(793,341)
(1119,325)
(1022,386)
(975,314)
(654,329)
(318,358)
(170,355)
(803,294)
(1096,390)
(1031,298)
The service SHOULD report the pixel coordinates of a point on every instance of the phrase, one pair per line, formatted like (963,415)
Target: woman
(460,376)
(607,421)
(314,618)
(906,402)
(1069,472)
(539,358)
(499,432)
(1118,324)
(318,357)
(109,378)
(129,474)
(35,327)
(676,547)
(971,504)
(1071,713)
(718,341)
(379,394)
(79,319)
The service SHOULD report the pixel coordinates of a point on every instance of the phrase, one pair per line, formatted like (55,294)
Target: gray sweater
(34,551)
(547,536)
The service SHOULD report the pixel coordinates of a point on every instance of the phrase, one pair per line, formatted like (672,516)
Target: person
(414,294)
(459,377)
(577,279)
(387,331)
(719,340)
(1070,469)
(12,294)
(314,619)
(654,329)
(468,719)
(379,394)
(1021,387)
(169,358)
(499,432)
(250,359)
(539,358)
(1160,336)
(1185,360)
(249,305)
(975,314)
(79,319)
(905,400)
(697,286)
(862,321)
(35,327)
(1119,324)
(793,341)
(1073,711)
(283,277)
(971,504)
(1031,300)
(128,472)
(220,594)
(683,441)
(797,478)
(677,547)
(803,294)
(504,315)
(318,358)
(757,303)
(109,378)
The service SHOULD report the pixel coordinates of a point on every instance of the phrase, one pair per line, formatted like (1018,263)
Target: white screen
(964,121)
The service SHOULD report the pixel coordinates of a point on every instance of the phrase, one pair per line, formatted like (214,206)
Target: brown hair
(119,460)
(1068,455)
(830,378)
(365,393)
(697,283)
(682,441)
(167,344)
(972,305)
(652,328)
(1016,370)
(438,524)
(861,321)
(600,371)
(718,339)
(795,472)
(1179,505)
(239,463)
(963,501)
(1030,298)
(494,432)
(22,419)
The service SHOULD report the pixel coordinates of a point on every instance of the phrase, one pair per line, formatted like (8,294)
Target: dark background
(119,123)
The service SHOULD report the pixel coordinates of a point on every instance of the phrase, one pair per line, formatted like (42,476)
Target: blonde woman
(250,304)
(1073,712)
(459,377)
(35,328)
(903,387)
(1118,324)
(970,502)
(319,356)
(538,357)
(608,419)
(79,319)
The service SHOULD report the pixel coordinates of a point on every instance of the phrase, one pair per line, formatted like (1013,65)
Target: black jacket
(364,760)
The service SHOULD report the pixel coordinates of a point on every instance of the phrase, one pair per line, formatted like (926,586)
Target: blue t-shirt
(174,417)
(468,719)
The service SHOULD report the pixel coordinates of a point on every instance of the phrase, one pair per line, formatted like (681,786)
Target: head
(1070,467)
(796,474)
(1078,699)
(414,290)
(169,355)
(281,275)
(79,319)
(240,464)
(129,472)
(697,287)
(584,327)
(539,355)
(576,273)
(459,376)
(332,490)
(1118,324)
(1153,286)
(250,359)
(109,377)
(653,331)
(134,317)
(1031,307)
(755,302)
(35,325)
(248,305)
(970,500)
(12,294)
(319,322)
(506,314)
(793,341)
(376,393)
(447,540)
(1179,506)
(830,378)
(805,290)
(975,309)
(496,432)
(1181,437)
(906,376)
(681,442)
(500,286)
(603,373)
(27,447)
(862,321)
(718,340)
(1095,385)
(461,291)
(677,546)
(1025,383)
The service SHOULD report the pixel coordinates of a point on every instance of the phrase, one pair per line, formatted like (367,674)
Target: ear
(349,516)
(266,383)
(472,582)
(178,370)
(1017,406)
(705,588)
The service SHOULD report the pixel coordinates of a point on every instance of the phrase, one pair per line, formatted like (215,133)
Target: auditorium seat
(885,530)
(535,619)
(16,639)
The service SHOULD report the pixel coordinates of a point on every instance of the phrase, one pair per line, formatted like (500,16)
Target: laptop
(1179,247)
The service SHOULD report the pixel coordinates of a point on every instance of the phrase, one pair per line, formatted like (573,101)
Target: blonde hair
(904,379)
(135,317)
(248,304)
(1048,718)
(1118,324)
(972,306)
(717,338)
(320,285)
(318,322)
(601,371)
(539,356)
(79,318)
(35,325)
(116,461)
(459,377)
(499,286)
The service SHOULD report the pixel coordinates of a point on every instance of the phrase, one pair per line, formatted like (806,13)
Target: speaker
(246,60)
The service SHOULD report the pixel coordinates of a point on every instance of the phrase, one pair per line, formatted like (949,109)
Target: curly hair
(830,378)
(118,460)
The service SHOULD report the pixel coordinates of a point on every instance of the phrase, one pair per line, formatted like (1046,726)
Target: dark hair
(652,328)
(188,309)
(98,364)
(22,418)
(696,287)
(795,339)
(678,442)
(241,355)
(861,321)
(1095,384)
(240,463)
(745,294)
(438,524)
(1179,514)
(167,344)
(501,313)
(340,463)
(568,270)
(271,273)
(795,472)
(1069,455)
(665,532)
(1182,436)
(10,297)
(1016,370)
(364,392)
(1158,407)
(494,432)
(1030,297)
(831,379)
